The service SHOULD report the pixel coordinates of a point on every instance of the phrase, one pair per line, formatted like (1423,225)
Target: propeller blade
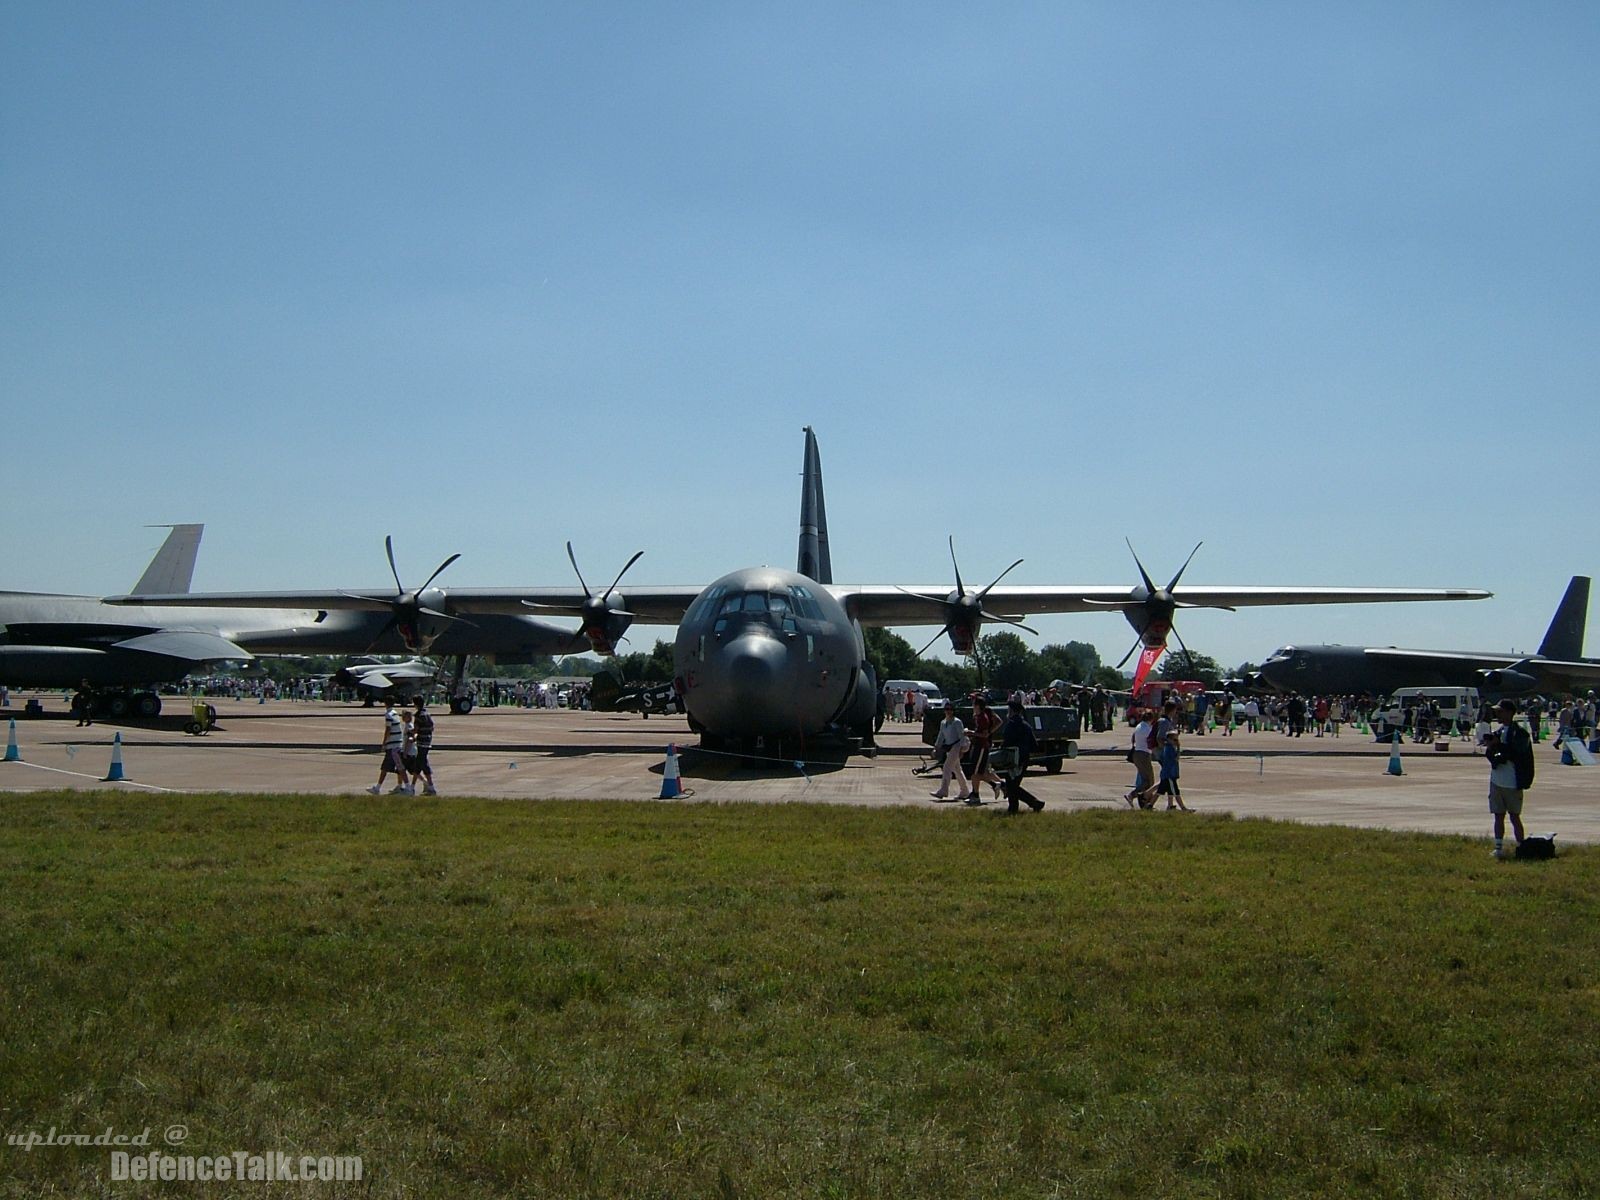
(960,590)
(381,602)
(999,620)
(1149,584)
(439,571)
(998,578)
(388,547)
(1110,603)
(379,636)
(919,596)
(1185,566)
(444,616)
(935,638)
(1223,607)
(636,556)
(571,610)
(1138,642)
(1184,648)
(573,559)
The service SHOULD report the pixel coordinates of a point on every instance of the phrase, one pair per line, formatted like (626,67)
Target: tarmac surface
(284,746)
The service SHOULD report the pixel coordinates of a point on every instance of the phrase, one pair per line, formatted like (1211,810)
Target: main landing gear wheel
(117,706)
(147,705)
(461,705)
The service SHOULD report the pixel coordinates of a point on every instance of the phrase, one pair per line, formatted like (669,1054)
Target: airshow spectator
(1510,755)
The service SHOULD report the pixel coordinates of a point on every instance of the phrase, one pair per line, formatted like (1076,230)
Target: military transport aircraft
(769,661)
(123,650)
(1349,670)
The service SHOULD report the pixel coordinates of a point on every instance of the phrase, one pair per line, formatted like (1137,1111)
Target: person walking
(1168,785)
(981,736)
(1145,776)
(394,741)
(421,769)
(1510,754)
(1018,736)
(948,747)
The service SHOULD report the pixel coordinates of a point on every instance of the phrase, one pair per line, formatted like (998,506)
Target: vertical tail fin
(172,569)
(814,561)
(1564,639)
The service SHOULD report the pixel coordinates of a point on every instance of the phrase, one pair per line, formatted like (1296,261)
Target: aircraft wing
(188,644)
(1550,671)
(648,605)
(882,604)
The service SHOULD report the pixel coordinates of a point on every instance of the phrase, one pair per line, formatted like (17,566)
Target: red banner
(1147,660)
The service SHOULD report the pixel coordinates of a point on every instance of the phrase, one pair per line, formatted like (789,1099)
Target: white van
(1454,704)
(929,690)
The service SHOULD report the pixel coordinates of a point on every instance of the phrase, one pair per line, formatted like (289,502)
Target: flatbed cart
(1055,729)
(202,717)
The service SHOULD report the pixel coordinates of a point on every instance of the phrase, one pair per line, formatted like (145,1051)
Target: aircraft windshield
(776,609)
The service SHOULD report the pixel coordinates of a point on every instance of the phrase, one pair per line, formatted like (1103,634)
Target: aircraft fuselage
(769,656)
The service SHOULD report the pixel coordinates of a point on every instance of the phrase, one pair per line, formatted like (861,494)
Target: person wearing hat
(1509,750)
(948,747)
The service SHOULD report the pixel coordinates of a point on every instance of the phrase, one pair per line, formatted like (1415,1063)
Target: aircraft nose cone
(753,664)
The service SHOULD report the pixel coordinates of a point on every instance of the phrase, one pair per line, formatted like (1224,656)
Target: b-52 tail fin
(172,569)
(1564,639)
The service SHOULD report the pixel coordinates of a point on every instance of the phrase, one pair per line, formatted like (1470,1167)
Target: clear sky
(1314,283)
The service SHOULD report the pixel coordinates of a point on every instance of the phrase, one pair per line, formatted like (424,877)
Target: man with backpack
(1510,753)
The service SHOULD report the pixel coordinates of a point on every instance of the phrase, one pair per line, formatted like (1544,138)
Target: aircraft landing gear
(120,703)
(460,697)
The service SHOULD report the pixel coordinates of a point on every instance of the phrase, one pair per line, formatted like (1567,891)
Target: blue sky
(1315,284)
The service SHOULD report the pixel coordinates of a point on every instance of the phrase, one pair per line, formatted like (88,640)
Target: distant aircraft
(1559,666)
(769,662)
(609,694)
(374,680)
(144,639)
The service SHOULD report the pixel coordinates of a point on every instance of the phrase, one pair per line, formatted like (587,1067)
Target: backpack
(1531,849)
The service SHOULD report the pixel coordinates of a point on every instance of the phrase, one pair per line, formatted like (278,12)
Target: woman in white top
(952,735)
(1144,785)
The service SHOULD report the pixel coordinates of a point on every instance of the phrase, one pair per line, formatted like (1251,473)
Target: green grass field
(582,999)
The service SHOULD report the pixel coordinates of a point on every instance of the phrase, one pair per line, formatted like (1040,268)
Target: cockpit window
(755,602)
(706,604)
(805,603)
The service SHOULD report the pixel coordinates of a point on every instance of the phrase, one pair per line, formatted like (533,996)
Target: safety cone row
(1394,756)
(12,753)
(115,775)
(669,775)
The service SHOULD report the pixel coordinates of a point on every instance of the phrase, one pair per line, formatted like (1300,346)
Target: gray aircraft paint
(1348,670)
(50,640)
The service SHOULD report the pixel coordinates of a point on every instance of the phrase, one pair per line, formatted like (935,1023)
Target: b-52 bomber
(770,662)
(1559,666)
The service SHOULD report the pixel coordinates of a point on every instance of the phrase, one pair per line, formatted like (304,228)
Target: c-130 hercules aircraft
(772,662)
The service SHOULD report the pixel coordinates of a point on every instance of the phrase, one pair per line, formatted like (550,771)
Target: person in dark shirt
(1017,734)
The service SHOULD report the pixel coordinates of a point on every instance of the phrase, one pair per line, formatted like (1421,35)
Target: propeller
(964,612)
(1150,610)
(603,625)
(408,608)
